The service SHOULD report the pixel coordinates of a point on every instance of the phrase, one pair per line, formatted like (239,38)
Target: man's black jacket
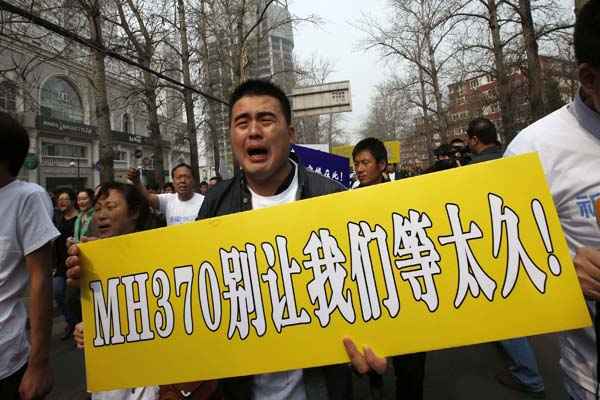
(231,196)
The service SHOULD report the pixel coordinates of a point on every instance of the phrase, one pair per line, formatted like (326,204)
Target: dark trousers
(73,305)
(409,370)
(9,386)
(410,373)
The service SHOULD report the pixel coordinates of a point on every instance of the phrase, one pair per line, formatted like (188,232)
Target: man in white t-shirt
(179,207)
(568,143)
(26,235)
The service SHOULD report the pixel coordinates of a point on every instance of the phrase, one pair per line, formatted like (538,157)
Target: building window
(61,101)
(121,155)
(121,160)
(8,96)
(125,123)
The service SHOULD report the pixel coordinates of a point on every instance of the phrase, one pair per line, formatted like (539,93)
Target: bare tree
(234,34)
(486,14)
(389,110)
(534,29)
(209,84)
(92,9)
(187,93)
(418,34)
(534,68)
(145,30)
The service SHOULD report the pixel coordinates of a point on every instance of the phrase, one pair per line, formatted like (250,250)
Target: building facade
(478,97)
(55,102)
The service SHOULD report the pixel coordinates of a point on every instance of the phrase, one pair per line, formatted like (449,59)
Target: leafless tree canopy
(434,47)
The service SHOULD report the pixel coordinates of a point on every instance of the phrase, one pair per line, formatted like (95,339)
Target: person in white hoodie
(568,143)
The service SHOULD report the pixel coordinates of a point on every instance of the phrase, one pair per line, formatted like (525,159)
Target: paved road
(465,373)
(68,365)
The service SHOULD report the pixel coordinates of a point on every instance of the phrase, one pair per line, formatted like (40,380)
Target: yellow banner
(463,256)
(392,147)
(343,151)
(393,150)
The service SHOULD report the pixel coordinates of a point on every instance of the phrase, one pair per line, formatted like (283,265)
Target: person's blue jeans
(59,285)
(524,367)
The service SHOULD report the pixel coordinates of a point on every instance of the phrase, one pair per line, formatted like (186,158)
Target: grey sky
(338,41)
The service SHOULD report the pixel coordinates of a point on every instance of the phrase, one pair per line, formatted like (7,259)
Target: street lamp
(76,163)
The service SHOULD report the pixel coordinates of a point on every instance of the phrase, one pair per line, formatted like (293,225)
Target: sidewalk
(68,366)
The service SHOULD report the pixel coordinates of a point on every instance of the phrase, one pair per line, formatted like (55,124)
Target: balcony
(59,161)
(137,140)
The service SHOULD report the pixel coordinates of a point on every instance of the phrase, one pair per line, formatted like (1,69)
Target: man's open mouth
(257,153)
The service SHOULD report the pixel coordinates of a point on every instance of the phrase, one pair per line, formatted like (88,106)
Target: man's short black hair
(374,146)
(258,87)
(179,166)
(484,130)
(14,143)
(203,183)
(587,34)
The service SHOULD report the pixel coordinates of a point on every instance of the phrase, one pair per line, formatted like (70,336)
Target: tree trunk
(502,77)
(153,125)
(437,93)
(187,94)
(101,97)
(243,56)
(427,133)
(534,70)
(213,135)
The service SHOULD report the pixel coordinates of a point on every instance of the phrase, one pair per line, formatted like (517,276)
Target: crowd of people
(39,253)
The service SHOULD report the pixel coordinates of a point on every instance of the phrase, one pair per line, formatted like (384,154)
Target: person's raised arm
(133,174)
(37,381)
